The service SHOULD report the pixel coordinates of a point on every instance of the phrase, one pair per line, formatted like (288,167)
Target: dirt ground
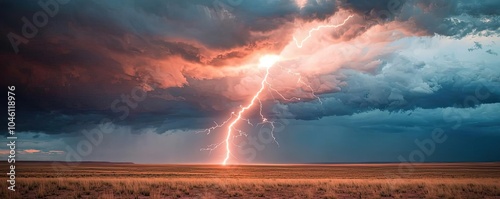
(108,180)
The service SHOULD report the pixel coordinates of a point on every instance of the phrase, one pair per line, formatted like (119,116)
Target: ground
(111,180)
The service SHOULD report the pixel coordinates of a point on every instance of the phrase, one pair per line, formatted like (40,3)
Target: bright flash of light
(301,43)
(266,61)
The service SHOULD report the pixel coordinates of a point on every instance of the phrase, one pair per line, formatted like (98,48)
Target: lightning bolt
(256,98)
(301,43)
(241,112)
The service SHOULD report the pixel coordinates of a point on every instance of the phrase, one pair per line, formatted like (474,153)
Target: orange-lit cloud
(205,58)
(31,151)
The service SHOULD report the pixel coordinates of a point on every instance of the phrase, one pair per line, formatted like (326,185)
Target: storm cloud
(195,62)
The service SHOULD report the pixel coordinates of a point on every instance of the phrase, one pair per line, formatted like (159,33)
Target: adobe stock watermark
(93,138)
(426,147)
(31,26)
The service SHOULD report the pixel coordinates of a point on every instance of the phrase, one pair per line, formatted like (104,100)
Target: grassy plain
(105,180)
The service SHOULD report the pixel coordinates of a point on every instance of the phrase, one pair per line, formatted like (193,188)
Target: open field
(102,180)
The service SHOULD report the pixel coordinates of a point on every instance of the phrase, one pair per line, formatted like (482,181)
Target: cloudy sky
(145,81)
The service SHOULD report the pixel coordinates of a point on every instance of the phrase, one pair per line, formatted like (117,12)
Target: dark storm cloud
(92,52)
(404,85)
(491,52)
(367,6)
(479,7)
(456,18)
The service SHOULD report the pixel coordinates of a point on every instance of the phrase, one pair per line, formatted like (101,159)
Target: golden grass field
(103,180)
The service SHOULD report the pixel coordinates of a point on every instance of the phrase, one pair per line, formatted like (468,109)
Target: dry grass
(184,181)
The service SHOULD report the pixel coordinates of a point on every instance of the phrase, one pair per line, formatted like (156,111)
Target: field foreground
(105,180)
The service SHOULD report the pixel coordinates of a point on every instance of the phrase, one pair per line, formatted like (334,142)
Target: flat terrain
(105,180)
